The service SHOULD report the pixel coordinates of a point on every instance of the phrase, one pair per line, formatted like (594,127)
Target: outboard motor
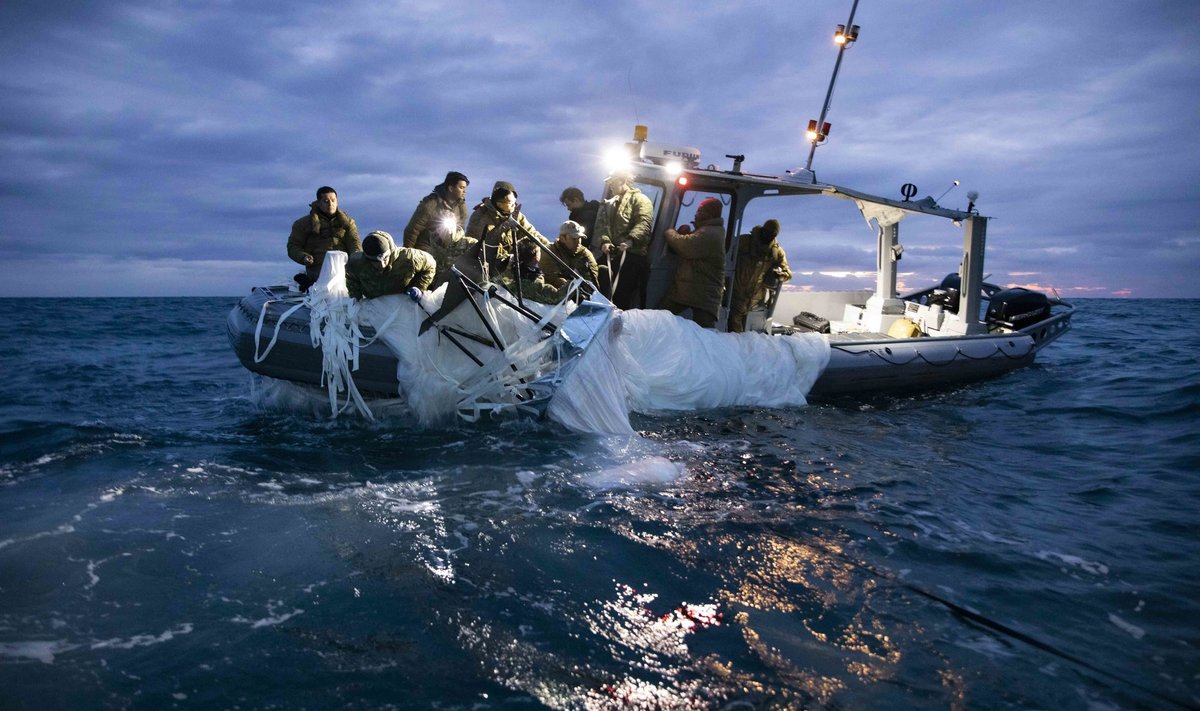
(1017,308)
(946,295)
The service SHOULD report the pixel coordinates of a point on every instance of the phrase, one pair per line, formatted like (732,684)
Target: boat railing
(1048,330)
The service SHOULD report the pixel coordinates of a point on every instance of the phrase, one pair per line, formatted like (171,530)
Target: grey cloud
(184,133)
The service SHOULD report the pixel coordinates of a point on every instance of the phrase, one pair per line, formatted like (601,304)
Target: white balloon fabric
(642,361)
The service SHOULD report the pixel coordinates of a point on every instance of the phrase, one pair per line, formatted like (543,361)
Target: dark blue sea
(170,538)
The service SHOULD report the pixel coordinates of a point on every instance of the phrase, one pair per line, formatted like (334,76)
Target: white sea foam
(1074,561)
(652,470)
(43,651)
(274,616)
(1133,630)
(65,528)
(143,640)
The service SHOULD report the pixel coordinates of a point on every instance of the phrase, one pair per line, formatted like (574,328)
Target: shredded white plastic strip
(333,327)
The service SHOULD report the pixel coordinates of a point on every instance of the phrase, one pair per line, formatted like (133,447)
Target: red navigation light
(682,181)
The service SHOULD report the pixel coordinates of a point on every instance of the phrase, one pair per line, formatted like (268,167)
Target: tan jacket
(581,260)
(700,276)
(755,261)
(627,218)
(492,227)
(316,233)
(432,209)
(402,268)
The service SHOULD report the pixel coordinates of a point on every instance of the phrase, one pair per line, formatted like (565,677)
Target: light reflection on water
(167,540)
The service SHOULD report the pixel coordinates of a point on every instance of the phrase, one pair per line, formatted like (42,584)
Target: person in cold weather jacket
(447,202)
(323,229)
(383,268)
(582,211)
(699,280)
(447,247)
(533,285)
(570,250)
(761,262)
(623,231)
(492,223)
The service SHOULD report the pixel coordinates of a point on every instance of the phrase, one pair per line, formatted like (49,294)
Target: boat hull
(859,364)
(293,357)
(914,365)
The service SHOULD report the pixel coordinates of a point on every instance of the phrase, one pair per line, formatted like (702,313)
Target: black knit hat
(375,245)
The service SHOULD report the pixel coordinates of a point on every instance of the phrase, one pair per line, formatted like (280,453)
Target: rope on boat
(262,315)
(921,356)
(614,277)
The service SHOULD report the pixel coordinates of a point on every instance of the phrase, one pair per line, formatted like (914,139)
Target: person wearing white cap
(569,248)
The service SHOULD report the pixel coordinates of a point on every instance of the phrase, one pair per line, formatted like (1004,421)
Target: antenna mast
(818,130)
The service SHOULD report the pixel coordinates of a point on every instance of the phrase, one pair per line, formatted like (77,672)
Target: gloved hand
(684,229)
(414,293)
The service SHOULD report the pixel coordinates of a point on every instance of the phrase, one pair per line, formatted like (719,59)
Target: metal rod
(832,80)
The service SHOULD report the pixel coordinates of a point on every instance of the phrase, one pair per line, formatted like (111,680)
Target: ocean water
(175,534)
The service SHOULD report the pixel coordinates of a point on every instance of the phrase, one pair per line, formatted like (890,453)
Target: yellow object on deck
(904,329)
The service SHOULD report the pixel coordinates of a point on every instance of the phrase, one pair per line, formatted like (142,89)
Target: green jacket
(446,250)
(628,218)
(581,260)
(403,268)
(700,275)
(432,209)
(491,226)
(534,289)
(316,233)
(755,261)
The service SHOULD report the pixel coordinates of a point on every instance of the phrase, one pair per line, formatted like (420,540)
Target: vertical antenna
(818,130)
(629,81)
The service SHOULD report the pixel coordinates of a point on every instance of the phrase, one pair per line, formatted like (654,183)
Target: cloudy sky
(164,148)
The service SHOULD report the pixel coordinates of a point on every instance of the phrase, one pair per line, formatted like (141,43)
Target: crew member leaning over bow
(383,268)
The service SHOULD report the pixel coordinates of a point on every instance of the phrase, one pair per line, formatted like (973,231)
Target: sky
(164,148)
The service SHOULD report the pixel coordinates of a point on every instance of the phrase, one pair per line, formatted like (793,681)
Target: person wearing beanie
(492,224)
(761,265)
(324,228)
(569,247)
(382,268)
(699,281)
(624,226)
(447,202)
